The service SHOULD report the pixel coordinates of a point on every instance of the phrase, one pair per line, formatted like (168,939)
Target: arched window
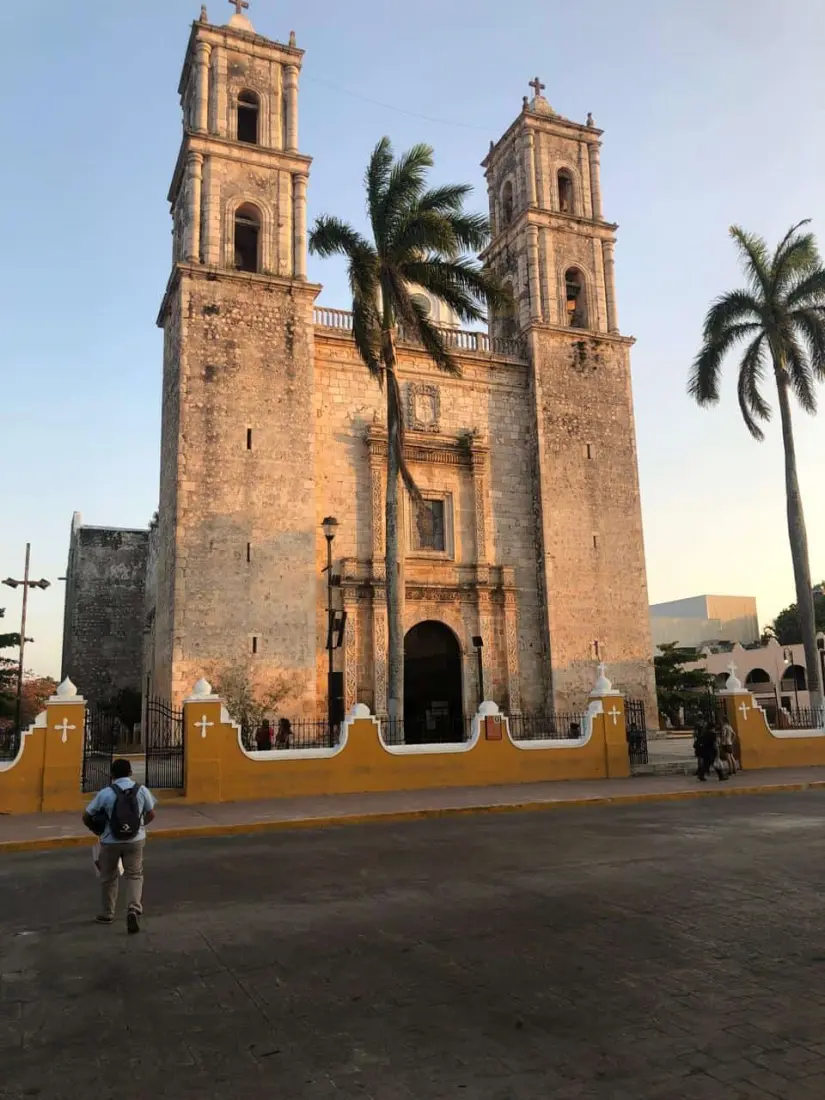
(566,193)
(507,203)
(575,298)
(794,677)
(247,238)
(423,303)
(249,107)
(757,676)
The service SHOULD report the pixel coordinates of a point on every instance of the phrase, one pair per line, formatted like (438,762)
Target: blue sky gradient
(713,114)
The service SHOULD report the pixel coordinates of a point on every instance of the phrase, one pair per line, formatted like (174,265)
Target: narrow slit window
(595,542)
(588,450)
(255,644)
(249,439)
(249,551)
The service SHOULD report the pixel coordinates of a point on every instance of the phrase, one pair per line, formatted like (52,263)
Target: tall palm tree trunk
(393,560)
(799,541)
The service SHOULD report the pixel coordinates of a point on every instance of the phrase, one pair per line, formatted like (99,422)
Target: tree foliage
(787,626)
(250,699)
(777,321)
(676,686)
(8,675)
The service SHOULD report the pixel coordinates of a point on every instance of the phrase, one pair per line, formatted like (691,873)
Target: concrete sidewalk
(175,819)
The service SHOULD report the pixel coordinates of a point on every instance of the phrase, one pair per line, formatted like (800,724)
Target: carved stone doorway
(433,710)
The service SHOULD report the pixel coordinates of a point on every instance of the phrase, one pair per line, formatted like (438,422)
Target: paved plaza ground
(668,951)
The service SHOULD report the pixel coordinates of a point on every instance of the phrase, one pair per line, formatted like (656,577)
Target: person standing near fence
(118,815)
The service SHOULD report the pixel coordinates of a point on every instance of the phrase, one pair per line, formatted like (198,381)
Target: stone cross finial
(537,86)
(240,5)
(590,121)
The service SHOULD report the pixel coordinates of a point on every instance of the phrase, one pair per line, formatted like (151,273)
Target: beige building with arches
(533,541)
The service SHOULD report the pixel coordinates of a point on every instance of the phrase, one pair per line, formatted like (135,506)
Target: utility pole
(27,584)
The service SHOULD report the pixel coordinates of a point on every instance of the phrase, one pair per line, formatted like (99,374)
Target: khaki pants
(132,855)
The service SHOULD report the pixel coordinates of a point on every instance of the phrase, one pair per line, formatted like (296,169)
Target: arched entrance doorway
(432,685)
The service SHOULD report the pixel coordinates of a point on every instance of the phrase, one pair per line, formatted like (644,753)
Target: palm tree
(780,317)
(419,238)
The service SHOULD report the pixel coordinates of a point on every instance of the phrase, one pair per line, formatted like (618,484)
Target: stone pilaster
(480,517)
(595,180)
(299,229)
(587,187)
(548,278)
(511,649)
(284,227)
(291,108)
(600,318)
(532,193)
(220,80)
(379,622)
(535,276)
(377,520)
(608,254)
(204,50)
(350,653)
(194,171)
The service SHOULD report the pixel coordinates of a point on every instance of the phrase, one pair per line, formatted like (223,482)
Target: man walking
(118,815)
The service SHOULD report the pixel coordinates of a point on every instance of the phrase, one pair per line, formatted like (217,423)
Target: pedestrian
(284,734)
(706,747)
(263,736)
(118,815)
(727,740)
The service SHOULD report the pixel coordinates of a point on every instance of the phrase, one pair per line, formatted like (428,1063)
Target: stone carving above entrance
(425,407)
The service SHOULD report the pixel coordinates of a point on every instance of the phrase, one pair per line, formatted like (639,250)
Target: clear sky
(714,112)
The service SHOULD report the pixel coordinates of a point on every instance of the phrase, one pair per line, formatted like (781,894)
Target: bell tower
(236,580)
(554,249)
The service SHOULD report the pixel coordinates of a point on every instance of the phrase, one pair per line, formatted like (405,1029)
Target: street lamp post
(27,584)
(820,645)
(478,642)
(330,526)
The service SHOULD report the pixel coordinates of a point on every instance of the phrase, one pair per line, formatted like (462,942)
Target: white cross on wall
(743,708)
(64,728)
(614,714)
(203,725)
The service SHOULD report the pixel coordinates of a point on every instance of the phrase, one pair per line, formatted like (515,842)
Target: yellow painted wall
(764,748)
(218,770)
(46,774)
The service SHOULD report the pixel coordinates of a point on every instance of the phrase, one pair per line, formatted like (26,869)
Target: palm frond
(420,232)
(751,373)
(755,259)
(366,331)
(457,280)
(331,236)
(703,381)
(810,323)
(796,254)
(376,181)
(808,291)
(405,186)
(445,200)
(800,374)
(735,307)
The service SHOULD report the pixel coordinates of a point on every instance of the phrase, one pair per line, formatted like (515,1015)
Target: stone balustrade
(477,343)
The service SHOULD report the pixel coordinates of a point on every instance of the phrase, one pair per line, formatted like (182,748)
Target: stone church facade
(270,422)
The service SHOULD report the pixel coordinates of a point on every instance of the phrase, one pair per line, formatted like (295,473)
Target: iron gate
(636,722)
(100,735)
(164,745)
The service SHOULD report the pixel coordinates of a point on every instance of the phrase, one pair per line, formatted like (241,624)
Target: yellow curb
(393,816)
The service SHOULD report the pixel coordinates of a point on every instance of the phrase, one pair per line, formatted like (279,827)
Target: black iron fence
(101,731)
(800,718)
(553,726)
(438,730)
(289,733)
(9,744)
(636,727)
(163,741)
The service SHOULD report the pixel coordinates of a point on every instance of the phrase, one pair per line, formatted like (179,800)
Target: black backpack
(125,820)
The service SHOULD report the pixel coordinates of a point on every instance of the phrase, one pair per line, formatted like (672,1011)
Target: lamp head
(330,526)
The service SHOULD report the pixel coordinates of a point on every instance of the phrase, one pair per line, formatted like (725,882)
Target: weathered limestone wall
(103,621)
(591,514)
(491,400)
(242,498)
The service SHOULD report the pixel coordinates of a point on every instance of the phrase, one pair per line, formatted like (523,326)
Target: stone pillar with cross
(205,738)
(63,749)
(611,725)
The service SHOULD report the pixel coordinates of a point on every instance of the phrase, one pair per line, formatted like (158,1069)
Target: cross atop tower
(240,6)
(536,84)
